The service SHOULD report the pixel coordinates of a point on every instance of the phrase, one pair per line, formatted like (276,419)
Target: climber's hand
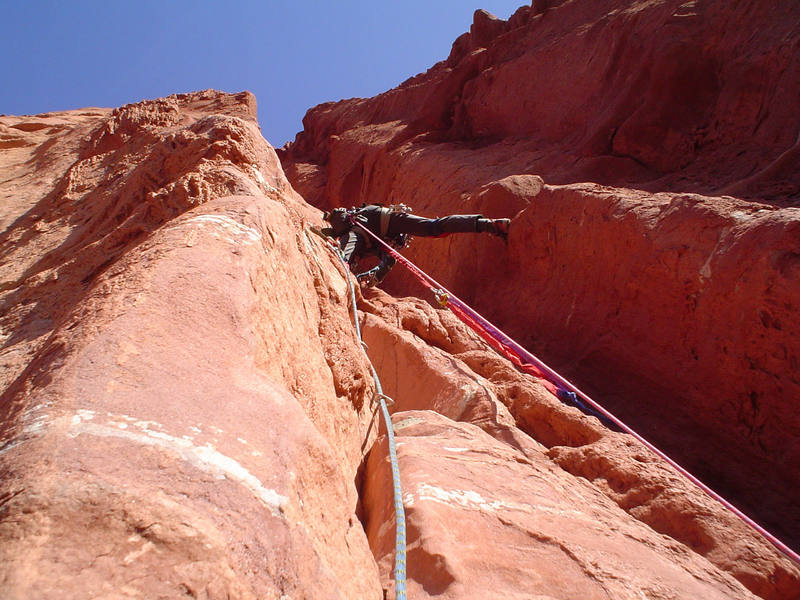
(368,278)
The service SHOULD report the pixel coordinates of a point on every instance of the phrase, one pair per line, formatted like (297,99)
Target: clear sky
(292,54)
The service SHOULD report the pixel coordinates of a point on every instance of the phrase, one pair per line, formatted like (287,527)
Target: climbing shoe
(501,227)
(498,227)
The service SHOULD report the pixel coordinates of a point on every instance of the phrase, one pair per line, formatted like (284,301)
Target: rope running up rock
(399,510)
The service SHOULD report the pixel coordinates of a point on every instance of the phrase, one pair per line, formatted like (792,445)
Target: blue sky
(60,55)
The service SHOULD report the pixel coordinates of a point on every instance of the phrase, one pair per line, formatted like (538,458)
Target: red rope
(553,381)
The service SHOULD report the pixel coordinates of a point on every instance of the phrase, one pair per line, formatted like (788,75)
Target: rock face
(664,95)
(186,411)
(428,360)
(184,405)
(668,287)
(475,503)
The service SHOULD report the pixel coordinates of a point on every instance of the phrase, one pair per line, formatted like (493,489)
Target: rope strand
(399,510)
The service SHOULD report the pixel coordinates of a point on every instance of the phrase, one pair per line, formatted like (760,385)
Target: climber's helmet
(339,220)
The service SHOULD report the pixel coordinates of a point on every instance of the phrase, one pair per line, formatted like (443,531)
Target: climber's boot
(498,227)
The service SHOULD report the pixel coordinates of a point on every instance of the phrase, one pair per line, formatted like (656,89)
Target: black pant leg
(422,227)
(411,224)
(351,245)
(459,223)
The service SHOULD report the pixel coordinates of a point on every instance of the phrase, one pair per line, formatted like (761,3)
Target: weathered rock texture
(184,405)
(696,96)
(186,412)
(669,286)
(487,520)
(428,360)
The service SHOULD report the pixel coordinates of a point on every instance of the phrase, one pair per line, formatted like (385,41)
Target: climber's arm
(376,274)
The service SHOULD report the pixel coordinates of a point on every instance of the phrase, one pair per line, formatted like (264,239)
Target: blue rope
(399,510)
(571,398)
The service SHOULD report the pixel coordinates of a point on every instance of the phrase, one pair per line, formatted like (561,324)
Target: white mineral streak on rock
(205,458)
(236,232)
(473,500)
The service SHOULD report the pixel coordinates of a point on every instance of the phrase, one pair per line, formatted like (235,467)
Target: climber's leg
(497,227)
(422,227)
(351,245)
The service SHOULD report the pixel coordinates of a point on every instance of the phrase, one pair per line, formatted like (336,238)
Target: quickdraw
(441,296)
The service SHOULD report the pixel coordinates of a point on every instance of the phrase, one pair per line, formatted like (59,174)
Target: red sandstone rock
(487,521)
(675,310)
(184,402)
(428,358)
(185,407)
(667,96)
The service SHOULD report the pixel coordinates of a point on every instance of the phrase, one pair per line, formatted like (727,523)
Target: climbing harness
(558,385)
(383,400)
(386,215)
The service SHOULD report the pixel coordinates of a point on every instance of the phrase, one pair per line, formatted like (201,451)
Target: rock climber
(395,225)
